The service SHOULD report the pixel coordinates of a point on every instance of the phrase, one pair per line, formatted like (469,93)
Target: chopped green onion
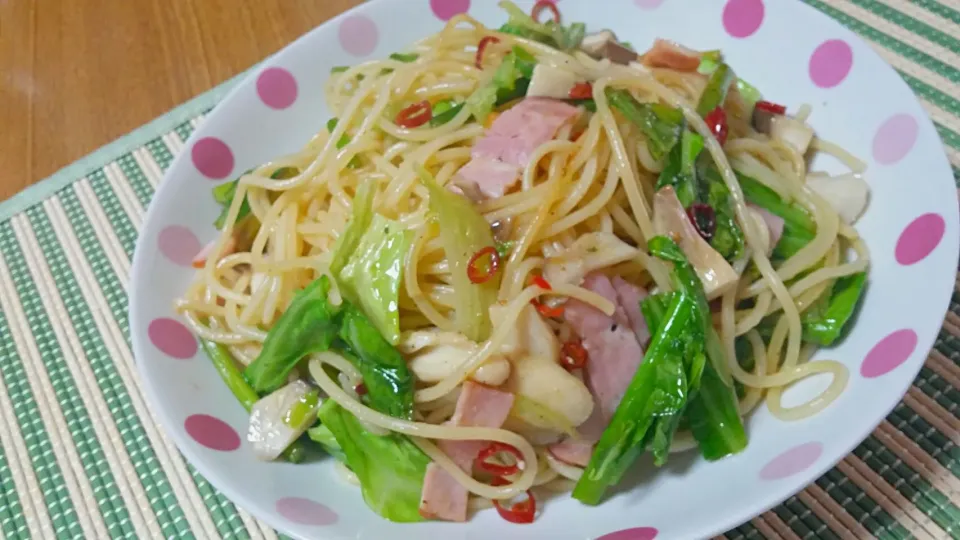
(405,57)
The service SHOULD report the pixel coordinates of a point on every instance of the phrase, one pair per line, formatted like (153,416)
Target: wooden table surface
(77,74)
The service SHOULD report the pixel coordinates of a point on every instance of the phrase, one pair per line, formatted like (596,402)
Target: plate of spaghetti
(539,270)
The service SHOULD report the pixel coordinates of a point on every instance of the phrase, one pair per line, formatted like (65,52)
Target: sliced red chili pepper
(770,107)
(547,311)
(522,512)
(479,274)
(583,90)
(415,115)
(704,219)
(487,40)
(360,389)
(717,122)
(542,283)
(546,4)
(573,355)
(494,468)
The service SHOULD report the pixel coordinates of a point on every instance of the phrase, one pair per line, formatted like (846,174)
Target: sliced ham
(629,296)
(667,54)
(670,219)
(500,156)
(478,406)
(613,345)
(774,225)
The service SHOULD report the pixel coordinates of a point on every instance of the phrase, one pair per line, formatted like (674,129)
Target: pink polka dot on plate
(647,4)
(919,239)
(830,63)
(448,9)
(889,353)
(305,511)
(792,461)
(741,18)
(178,244)
(172,338)
(277,88)
(359,35)
(212,432)
(212,157)
(636,533)
(895,138)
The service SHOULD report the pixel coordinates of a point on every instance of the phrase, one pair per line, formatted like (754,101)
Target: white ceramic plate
(793,53)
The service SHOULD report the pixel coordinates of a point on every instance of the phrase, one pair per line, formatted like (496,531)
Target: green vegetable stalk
(680,169)
(695,180)
(405,57)
(659,392)
(712,414)
(799,228)
(510,82)
(226,367)
(445,111)
(728,239)
(661,125)
(550,33)
(824,322)
(716,90)
(390,468)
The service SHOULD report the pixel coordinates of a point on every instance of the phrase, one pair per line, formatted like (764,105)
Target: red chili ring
(475,274)
(482,46)
(547,311)
(582,90)
(542,283)
(546,4)
(521,512)
(415,115)
(493,468)
(573,356)
(770,107)
(717,122)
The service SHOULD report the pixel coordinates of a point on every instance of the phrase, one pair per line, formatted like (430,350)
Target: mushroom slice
(273,426)
(848,194)
(670,219)
(551,82)
(792,132)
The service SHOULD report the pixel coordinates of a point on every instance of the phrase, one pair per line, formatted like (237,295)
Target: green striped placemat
(82,455)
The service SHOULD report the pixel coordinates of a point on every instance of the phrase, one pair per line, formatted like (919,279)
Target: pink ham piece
(500,156)
(667,54)
(629,296)
(613,344)
(478,406)
(774,223)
